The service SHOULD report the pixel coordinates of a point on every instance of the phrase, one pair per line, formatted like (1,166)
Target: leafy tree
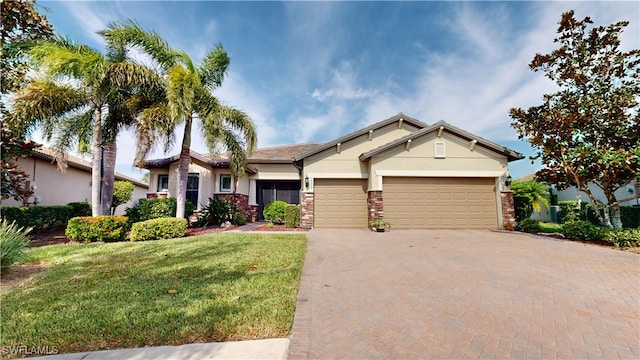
(122,192)
(14,180)
(589,130)
(21,25)
(532,193)
(189,96)
(104,95)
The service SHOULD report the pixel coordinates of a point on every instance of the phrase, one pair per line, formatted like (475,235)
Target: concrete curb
(272,349)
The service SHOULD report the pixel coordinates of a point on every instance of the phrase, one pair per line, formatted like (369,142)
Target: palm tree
(83,97)
(533,192)
(189,96)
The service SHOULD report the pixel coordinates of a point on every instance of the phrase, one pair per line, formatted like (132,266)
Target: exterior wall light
(306,182)
(508,181)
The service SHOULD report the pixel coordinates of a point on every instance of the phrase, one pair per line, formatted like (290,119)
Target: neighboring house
(572,193)
(413,174)
(53,187)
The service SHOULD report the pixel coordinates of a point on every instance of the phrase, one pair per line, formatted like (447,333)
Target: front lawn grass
(217,287)
(550,227)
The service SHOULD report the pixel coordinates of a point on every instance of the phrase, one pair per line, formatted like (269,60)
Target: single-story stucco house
(53,187)
(413,174)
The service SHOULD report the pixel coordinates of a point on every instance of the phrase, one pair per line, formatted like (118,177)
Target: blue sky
(313,71)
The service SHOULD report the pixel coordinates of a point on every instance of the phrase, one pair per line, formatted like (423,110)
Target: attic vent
(438,150)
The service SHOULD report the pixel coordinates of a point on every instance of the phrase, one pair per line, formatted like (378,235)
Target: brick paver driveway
(464,294)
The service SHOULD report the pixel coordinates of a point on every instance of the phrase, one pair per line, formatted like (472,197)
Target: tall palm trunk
(108,176)
(96,169)
(183,169)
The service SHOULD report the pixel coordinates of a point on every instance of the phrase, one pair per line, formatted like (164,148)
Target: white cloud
(342,86)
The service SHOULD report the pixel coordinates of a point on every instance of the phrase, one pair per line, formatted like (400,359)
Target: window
(438,150)
(225,183)
(193,181)
(163,182)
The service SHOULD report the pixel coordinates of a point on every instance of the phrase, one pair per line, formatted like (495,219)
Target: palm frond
(43,101)
(153,125)
(210,111)
(214,67)
(63,57)
(128,32)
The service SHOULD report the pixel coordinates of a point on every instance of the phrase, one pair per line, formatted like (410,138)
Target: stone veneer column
(306,210)
(375,205)
(508,210)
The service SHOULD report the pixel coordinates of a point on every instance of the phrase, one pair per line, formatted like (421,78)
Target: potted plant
(379,225)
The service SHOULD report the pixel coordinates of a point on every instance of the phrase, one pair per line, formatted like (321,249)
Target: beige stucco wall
(57,188)
(345,164)
(419,160)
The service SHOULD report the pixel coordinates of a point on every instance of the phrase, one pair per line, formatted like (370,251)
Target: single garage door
(447,203)
(340,203)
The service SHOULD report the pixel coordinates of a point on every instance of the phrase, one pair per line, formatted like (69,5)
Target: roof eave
(415,122)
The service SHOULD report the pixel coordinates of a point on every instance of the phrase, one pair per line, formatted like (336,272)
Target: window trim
(158,183)
(220,188)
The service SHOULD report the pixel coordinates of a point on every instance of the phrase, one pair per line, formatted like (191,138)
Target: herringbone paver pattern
(451,294)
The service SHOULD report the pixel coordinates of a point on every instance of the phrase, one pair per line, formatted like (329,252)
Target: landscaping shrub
(274,212)
(219,211)
(160,228)
(523,207)
(37,217)
(292,216)
(156,208)
(630,216)
(530,225)
(623,237)
(582,230)
(239,219)
(79,209)
(100,228)
(13,243)
(569,211)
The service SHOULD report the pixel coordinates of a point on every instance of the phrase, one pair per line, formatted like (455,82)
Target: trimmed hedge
(274,212)
(80,209)
(38,217)
(106,228)
(523,207)
(630,216)
(160,228)
(292,216)
(156,208)
(530,225)
(582,230)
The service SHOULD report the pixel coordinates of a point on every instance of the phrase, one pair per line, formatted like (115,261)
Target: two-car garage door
(447,203)
(409,203)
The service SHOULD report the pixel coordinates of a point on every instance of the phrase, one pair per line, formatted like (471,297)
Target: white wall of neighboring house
(571,194)
(57,188)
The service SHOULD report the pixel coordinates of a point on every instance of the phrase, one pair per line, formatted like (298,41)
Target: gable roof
(510,154)
(360,132)
(48,154)
(280,154)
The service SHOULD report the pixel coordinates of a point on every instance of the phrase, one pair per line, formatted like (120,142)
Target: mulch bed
(56,236)
(278,228)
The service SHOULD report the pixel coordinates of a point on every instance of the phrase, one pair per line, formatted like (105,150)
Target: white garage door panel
(415,203)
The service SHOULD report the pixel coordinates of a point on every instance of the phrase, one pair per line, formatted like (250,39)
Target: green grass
(228,286)
(550,227)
